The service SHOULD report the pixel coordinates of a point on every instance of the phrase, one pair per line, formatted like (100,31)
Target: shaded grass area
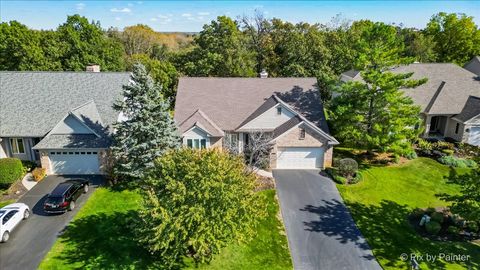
(101,237)
(7,202)
(381,203)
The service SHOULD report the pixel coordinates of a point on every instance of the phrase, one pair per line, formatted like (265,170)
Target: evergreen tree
(148,130)
(375,114)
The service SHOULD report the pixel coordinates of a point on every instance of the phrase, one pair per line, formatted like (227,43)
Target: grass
(7,202)
(99,237)
(381,203)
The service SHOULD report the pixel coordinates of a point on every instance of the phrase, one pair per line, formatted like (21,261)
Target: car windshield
(54,200)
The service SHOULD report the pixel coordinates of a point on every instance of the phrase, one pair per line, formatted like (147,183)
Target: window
(94,153)
(203,143)
(89,153)
(231,140)
(52,153)
(59,153)
(302,134)
(76,153)
(82,153)
(456,128)
(17,146)
(197,143)
(190,143)
(279,110)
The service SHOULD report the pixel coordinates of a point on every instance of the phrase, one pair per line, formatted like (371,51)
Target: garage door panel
(299,157)
(474,137)
(77,162)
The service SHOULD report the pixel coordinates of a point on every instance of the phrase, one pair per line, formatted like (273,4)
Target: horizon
(190,16)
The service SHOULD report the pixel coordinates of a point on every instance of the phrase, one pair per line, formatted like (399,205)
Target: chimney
(93,68)
(263,74)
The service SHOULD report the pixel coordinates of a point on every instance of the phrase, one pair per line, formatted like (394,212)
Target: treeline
(227,47)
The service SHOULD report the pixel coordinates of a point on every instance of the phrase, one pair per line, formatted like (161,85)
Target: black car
(63,197)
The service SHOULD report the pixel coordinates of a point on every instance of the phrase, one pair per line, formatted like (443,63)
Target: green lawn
(381,203)
(99,237)
(3,203)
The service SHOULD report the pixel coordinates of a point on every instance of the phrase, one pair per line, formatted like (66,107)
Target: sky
(190,16)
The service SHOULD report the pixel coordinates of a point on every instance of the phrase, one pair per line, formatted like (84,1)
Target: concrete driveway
(33,238)
(321,233)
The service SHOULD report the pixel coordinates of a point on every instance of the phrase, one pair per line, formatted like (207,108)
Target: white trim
(196,126)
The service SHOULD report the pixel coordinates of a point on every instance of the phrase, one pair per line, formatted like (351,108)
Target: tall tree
(219,50)
(86,43)
(147,129)
(20,48)
(456,36)
(375,114)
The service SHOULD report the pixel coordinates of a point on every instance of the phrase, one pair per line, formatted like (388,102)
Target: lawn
(100,237)
(381,203)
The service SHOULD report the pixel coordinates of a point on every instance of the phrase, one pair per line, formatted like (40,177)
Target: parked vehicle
(64,196)
(10,217)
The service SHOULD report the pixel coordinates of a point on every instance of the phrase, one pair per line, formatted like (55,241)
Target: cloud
(186,15)
(153,19)
(80,6)
(121,10)
(118,19)
(162,16)
(203,13)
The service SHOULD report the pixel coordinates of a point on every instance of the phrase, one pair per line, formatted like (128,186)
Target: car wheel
(5,237)
(85,188)
(26,214)
(71,206)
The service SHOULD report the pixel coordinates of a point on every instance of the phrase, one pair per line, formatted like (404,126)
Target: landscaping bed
(101,237)
(385,198)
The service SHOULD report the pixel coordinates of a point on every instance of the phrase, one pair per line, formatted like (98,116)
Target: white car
(10,217)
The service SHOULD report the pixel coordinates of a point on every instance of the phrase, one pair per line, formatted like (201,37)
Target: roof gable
(473,65)
(201,120)
(32,103)
(269,119)
(470,110)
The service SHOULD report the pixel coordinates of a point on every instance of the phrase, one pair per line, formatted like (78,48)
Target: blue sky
(190,16)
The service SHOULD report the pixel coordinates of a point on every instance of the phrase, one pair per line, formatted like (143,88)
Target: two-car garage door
(74,162)
(299,157)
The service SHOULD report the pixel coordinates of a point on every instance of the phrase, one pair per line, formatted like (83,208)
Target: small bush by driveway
(33,238)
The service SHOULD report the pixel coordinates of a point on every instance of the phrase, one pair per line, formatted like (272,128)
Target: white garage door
(74,162)
(474,137)
(299,158)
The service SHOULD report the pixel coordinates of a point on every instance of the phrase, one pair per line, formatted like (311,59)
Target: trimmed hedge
(11,169)
(458,162)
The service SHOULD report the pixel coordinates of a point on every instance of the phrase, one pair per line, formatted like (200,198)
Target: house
(215,112)
(449,101)
(61,120)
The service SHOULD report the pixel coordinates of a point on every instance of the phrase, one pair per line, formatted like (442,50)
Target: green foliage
(375,114)
(85,43)
(411,155)
(11,169)
(453,230)
(28,165)
(419,46)
(437,217)
(466,204)
(148,130)
(197,202)
(458,162)
(448,152)
(473,226)
(456,37)
(424,145)
(347,167)
(441,145)
(219,50)
(433,227)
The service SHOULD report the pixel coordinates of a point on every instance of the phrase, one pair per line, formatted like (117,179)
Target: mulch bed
(15,191)
(264,183)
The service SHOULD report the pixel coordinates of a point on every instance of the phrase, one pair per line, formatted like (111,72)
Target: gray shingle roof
(229,101)
(470,110)
(31,103)
(59,141)
(473,65)
(286,126)
(459,85)
(200,119)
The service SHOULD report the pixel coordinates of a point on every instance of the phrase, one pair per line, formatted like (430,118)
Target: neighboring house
(215,112)
(474,65)
(449,101)
(59,119)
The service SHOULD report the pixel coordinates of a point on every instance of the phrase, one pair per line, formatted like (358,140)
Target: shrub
(453,230)
(347,167)
(437,217)
(448,152)
(340,179)
(472,226)
(440,145)
(411,155)
(195,203)
(358,177)
(396,159)
(39,173)
(457,162)
(28,165)
(424,145)
(433,227)
(11,169)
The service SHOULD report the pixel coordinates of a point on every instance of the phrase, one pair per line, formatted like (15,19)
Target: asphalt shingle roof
(31,103)
(203,121)
(60,141)
(448,85)
(228,102)
(470,110)
(473,65)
